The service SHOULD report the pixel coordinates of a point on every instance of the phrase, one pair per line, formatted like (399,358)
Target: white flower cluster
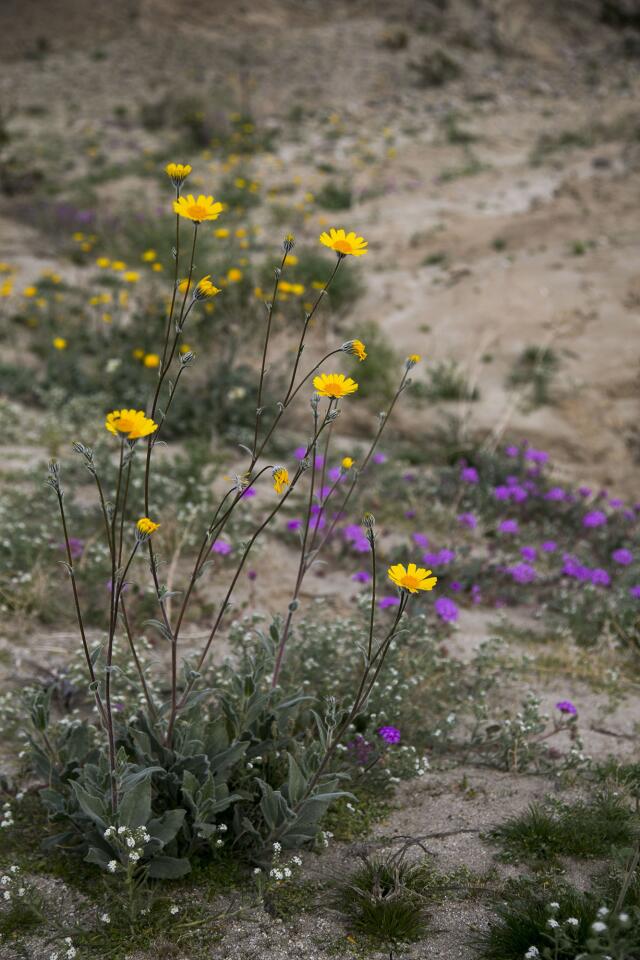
(6,819)
(325,837)
(69,953)
(11,885)
(130,842)
(282,872)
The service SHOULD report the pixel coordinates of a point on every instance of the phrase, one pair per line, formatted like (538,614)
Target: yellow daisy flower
(138,353)
(151,360)
(355,348)
(60,343)
(204,288)
(234,275)
(222,232)
(146,526)
(29,291)
(413,359)
(344,243)
(134,423)
(149,255)
(334,385)
(412,579)
(103,262)
(131,276)
(347,463)
(280,479)
(204,208)
(177,173)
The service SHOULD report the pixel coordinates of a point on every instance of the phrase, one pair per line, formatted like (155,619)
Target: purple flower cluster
(446,609)
(354,533)
(522,573)
(389,734)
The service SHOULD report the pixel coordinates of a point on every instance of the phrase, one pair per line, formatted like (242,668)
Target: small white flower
(256,871)
(105,918)
(174,908)
(130,842)
(277,847)
(532,953)
(603,912)
(134,856)
(121,830)
(21,891)
(553,924)
(598,926)
(112,866)
(623,917)
(573,921)
(554,905)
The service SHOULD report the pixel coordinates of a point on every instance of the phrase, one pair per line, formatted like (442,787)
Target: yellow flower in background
(151,360)
(234,275)
(185,348)
(241,232)
(334,385)
(204,288)
(204,208)
(131,276)
(157,267)
(412,579)
(291,260)
(149,255)
(30,291)
(6,288)
(138,353)
(355,348)
(146,526)
(280,479)
(413,359)
(344,244)
(183,285)
(118,265)
(222,232)
(78,236)
(106,318)
(133,423)
(177,173)
(60,343)
(347,463)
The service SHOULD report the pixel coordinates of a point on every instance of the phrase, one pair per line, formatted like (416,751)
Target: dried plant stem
(76,601)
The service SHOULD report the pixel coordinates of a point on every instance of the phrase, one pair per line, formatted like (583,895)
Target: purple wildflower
(379,458)
(385,602)
(595,518)
(389,734)
(600,577)
(528,553)
(469,475)
(522,573)
(300,453)
(508,526)
(512,451)
(222,547)
(468,520)
(555,493)
(622,556)
(446,609)
(536,456)
(565,706)
(549,546)
(294,524)
(421,540)
(361,576)
(635,591)
(584,491)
